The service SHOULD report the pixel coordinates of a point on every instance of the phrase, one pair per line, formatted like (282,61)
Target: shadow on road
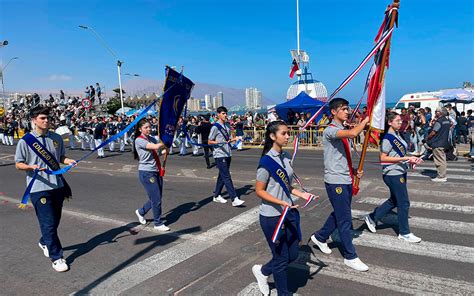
(105,238)
(175,214)
(157,241)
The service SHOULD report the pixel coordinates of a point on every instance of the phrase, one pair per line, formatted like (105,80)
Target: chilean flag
(294,67)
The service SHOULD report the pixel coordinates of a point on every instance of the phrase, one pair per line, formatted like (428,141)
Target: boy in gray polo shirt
(48,192)
(220,137)
(338,178)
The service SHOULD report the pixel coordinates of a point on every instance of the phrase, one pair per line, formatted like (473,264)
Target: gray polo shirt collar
(337,124)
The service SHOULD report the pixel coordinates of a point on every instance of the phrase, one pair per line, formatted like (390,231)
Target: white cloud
(59,77)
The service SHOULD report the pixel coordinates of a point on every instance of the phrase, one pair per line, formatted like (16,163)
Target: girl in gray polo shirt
(149,172)
(394,160)
(274,199)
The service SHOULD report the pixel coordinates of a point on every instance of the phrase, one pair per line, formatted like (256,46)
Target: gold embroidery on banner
(338,190)
(43,200)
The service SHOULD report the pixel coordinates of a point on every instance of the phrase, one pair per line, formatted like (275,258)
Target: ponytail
(272,128)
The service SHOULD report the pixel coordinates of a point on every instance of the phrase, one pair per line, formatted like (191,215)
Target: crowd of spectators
(416,123)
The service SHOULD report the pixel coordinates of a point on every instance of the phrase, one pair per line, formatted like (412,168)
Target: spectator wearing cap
(438,140)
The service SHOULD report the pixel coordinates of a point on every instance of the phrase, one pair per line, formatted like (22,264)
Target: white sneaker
(60,265)
(237,202)
(141,219)
(411,238)
(356,264)
(261,279)
(370,224)
(322,246)
(439,180)
(219,199)
(45,250)
(162,227)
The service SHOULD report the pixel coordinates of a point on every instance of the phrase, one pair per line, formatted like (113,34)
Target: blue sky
(234,43)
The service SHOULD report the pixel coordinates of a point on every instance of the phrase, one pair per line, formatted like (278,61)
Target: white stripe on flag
(378,112)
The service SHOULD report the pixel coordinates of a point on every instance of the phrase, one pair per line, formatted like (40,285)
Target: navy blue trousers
(153,184)
(48,207)
(284,251)
(223,164)
(340,196)
(399,199)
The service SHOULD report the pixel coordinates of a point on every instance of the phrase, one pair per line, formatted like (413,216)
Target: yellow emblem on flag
(402,180)
(56,144)
(43,200)
(152,180)
(338,190)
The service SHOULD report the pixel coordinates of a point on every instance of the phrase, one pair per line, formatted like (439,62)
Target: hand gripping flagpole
(395,5)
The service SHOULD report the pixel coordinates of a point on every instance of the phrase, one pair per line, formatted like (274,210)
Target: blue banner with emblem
(177,91)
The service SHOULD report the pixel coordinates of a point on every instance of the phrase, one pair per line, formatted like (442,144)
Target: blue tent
(301,103)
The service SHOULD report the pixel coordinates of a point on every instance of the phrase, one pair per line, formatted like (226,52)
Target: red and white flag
(294,67)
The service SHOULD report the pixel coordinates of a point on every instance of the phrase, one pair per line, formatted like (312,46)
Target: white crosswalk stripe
(449,176)
(450,169)
(423,205)
(429,249)
(426,223)
(430,192)
(397,280)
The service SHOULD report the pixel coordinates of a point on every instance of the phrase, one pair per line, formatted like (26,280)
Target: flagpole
(395,4)
(298,28)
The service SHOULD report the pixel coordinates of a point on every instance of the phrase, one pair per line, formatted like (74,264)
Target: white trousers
(100,151)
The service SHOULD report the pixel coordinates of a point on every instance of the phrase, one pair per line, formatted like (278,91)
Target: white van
(428,99)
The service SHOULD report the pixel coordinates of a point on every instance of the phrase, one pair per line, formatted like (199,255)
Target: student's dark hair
(221,109)
(337,102)
(39,110)
(390,116)
(272,128)
(137,134)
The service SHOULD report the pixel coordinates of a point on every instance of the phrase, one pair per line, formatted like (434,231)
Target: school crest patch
(43,200)
(402,180)
(56,144)
(338,190)
(152,180)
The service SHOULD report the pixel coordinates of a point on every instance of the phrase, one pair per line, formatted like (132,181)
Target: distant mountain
(232,96)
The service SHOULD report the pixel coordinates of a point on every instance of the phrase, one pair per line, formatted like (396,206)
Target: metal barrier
(311,137)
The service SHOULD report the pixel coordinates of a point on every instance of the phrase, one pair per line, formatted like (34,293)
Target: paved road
(212,247)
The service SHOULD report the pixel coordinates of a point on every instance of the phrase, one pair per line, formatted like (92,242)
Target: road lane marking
(425,223)
(428,192)
(448,169)
(188,173)
(423,205)
(397,280)
(115,222)
(139,272)
(449,176)
(425,248)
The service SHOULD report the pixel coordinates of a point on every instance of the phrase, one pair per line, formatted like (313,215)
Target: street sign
(86,103)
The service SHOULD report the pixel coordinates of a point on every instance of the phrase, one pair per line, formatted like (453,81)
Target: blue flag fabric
(173,103)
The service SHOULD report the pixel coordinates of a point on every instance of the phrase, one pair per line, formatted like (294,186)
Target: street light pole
(119,63)
(119,66)
(3,84)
